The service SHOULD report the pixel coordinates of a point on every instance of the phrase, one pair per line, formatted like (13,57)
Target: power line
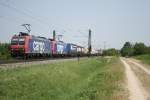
(12,7)
(27,10)
(22,12)
(7,19)
(104,45)
(28,14)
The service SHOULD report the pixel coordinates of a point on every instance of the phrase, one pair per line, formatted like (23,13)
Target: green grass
(144,58)
(90,79)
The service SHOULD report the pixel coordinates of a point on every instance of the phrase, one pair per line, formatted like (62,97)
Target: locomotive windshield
(21,41)
(16,41)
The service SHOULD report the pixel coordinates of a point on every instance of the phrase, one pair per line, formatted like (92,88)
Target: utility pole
(103,51)
(89,42)
(27,27)
(54,35)
(104,45)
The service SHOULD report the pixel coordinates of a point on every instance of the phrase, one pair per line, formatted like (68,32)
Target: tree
(127,49)
(140,48)
(147,50)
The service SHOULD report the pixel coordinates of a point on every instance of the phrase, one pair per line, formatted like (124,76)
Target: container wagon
(60,48)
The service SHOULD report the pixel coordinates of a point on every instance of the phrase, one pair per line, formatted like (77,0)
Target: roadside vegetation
(111,52)
(136,49)
(4,51)
(144,58)
(94,78)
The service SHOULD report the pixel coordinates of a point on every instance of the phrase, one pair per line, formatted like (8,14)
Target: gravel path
(136,90)
(139,65)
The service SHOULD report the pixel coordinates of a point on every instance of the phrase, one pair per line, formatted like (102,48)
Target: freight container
(71,49)
(85,50)
(59,47)
(80,49)
(66,49)
(53,48)
(39,45)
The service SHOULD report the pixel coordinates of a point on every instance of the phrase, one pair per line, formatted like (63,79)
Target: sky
(112,22)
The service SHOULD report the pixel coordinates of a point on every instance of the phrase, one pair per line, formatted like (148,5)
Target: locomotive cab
(24,45)
(18,44)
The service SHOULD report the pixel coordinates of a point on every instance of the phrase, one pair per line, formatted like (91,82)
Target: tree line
(130,49)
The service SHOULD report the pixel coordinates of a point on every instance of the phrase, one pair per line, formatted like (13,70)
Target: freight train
(25,45)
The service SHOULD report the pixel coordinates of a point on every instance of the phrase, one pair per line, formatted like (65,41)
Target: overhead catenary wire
(11,7)
(15,20)
(8,19)
(28,13)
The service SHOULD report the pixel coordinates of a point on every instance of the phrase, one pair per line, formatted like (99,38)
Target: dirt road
(137,87)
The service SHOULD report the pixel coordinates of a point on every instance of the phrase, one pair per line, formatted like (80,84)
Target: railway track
(19,60)
(12,61)
(28,63)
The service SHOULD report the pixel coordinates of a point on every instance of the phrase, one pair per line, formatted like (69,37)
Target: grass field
(144,58)
(90,79)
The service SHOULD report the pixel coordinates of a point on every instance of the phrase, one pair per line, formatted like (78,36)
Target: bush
(111,52)
(4,51)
